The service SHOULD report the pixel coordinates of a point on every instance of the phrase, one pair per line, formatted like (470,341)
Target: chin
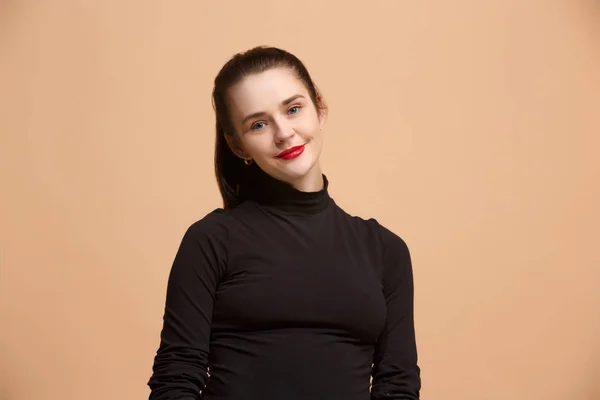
(293,171)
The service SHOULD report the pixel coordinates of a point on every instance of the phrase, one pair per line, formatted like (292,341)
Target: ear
(321,110)
(234,144)
(322,113)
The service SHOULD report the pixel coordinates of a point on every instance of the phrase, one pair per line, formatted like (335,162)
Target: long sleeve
(396,374)
(180,364)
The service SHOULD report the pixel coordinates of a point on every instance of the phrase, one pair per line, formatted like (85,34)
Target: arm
(180,364)
(396,374)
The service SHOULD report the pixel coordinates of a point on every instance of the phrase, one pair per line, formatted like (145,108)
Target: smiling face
(278,126)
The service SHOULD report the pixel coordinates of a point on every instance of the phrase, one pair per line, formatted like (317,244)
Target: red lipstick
(291,153)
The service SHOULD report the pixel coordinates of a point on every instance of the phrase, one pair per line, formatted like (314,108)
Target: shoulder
(387,241)
(396,259)
(385,235)
(215,224)
(390,239)
(370,225)
(207,237)
(392,245)
(203,248)
(221,223)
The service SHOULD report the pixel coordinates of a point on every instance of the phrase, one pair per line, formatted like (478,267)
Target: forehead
(264,91)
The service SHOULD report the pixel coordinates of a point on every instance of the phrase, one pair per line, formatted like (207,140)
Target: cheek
(257,146)
(310,128)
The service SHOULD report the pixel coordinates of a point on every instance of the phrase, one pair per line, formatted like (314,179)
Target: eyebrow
(261,113)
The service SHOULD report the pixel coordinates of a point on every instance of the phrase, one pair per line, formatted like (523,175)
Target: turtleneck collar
(266,190)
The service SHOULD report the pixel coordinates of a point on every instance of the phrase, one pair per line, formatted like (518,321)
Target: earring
(248,161)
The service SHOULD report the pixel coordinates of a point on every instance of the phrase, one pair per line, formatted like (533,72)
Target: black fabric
(287,297)
(268,191)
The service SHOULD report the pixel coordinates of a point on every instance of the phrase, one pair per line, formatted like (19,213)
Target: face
(277,125)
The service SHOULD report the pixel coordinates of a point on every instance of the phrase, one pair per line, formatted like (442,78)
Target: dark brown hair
(229,168)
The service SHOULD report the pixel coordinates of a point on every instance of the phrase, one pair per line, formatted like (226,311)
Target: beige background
(470,128)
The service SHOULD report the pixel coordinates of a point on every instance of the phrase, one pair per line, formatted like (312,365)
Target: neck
(311,182)
(305,196)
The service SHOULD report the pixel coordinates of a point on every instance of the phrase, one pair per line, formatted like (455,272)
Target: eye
(257,126)
(294,109)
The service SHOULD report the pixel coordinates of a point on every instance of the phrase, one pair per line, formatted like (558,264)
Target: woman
(281,293)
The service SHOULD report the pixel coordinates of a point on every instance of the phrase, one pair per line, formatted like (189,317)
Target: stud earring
(248,161)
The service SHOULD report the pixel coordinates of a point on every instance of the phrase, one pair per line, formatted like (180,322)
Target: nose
(283,131)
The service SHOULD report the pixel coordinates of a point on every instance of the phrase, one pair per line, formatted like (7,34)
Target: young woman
(280,294)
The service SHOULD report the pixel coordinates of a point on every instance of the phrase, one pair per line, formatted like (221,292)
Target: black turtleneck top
(288,297)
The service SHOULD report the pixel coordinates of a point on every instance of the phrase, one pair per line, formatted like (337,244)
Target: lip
(292,152)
